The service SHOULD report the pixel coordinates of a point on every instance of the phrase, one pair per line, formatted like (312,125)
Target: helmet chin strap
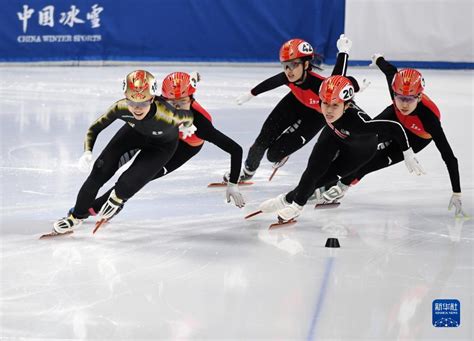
(302,78)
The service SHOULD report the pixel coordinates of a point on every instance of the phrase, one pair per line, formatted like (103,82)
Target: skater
(420,117)
(348,141)
(178,89)
(151,125)
(297,117)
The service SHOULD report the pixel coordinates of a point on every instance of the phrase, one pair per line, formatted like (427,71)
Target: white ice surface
(180,263)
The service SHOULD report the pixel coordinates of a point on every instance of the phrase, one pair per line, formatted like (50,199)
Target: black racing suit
(189,147)
(342,148)
(421,126)
(156,136)
(295,120)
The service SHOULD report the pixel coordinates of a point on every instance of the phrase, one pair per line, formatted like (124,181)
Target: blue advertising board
(165,30)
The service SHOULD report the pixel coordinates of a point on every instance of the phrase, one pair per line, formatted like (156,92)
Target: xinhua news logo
(446,313)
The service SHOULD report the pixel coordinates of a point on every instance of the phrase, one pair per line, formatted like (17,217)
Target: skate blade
(328,205)
(98,225)
(282,223)
(278,165)
(224,184)
(253,214)
(273,174)
(55,234)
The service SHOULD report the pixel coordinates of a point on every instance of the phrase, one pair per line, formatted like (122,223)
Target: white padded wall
(411,30)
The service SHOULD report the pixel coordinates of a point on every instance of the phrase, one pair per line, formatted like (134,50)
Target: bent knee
(275,155)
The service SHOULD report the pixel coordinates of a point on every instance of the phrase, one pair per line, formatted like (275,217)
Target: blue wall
(167,30)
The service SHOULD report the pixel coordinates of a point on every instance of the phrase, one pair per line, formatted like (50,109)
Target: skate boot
(120,207)
(112,206)
(317,197)
(245,176)
(289,213)
(67,224)
(274,204)
(336,192)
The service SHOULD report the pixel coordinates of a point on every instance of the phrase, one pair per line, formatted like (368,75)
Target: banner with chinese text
(164,30)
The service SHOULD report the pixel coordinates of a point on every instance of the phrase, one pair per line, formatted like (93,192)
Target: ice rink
(180,263)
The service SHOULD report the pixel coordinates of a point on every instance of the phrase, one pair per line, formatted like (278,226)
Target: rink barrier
(421,65)
(165,30)
(108,32)
(328,66)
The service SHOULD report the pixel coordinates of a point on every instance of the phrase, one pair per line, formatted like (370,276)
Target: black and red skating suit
(343,147)
(306,92)
(355,125)
(295,120)
(156,136)
(422,126)
(189,147)
(207,132)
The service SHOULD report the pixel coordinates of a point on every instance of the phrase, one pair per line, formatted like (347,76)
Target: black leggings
(388,156)
(388,153)
(329,161)
(154,154)
(183,153)
(288,128)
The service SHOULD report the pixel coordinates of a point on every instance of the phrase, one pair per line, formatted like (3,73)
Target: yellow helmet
(139,86)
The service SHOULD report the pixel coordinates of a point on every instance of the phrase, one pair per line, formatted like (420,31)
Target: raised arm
(388,69)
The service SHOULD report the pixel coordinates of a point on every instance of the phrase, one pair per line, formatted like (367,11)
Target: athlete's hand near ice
(232,192)
(412,162)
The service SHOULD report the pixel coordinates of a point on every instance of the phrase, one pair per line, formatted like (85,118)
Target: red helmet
(296,48)
(408,82)
(178,85)
(139,86)
(336,89)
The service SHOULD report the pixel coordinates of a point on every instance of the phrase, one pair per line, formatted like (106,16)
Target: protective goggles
(291,65)
(179,102)
(139,104)
(406,99)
